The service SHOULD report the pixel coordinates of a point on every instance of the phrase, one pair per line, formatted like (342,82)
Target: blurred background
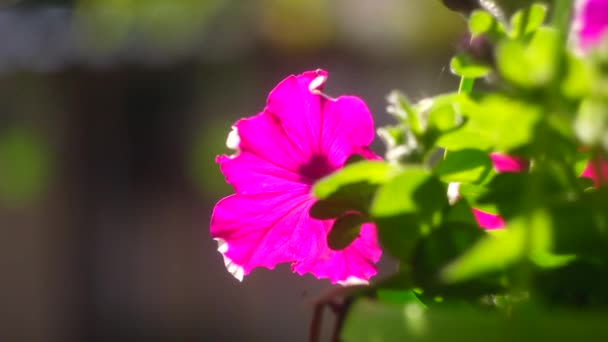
(111,115)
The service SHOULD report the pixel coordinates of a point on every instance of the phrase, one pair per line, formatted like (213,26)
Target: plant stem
(466,85)
(562,12)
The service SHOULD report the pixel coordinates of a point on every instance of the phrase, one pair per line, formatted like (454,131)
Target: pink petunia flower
(505,163)
(591,171)
(590,23)
(301,136)
(502,163)
(488,221)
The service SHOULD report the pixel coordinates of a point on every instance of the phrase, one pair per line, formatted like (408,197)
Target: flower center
(318,167)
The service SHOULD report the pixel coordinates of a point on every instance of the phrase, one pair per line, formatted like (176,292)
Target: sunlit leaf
(465,66)
(507,122)
(527,20)
(480,22)
(372,172)
(525,237)
(351,188)
(529,65)
(405,207)
(467,166)
(412,191)
(591,123)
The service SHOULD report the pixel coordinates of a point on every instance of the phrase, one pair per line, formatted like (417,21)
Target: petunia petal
(487,220)
(299,110)
(347,128)
(266,161)
(335,128)
(591,22)
(352,265)
(263,229)
(268,229)
(506,163)
(592,168)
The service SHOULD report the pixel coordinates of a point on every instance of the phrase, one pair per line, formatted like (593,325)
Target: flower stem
(562,12)
(466,85)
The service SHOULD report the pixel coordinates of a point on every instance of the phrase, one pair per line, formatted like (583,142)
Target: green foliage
(529,64)
(544,103)
(528,20)
(351,189)
(468,166)
(481,22)
(465,66)
(370,320)
(523,237)
(406,207)
(370,172)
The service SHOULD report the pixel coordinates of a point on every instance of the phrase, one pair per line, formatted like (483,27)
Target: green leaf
(464,138)
(442,114)
(467,166)
(344,231)
(507,192)
(578,77)
(398,296)
(368,320)
(525,237)
(526,21)
(531,65)
(439,248)
(480,22)
(401,144)
(473,193)
(519,193)
(413,191)
(506,122)
(580,162)
(350,189)
(399,106)
(581,227)
(399,234)
(460,212)
(369,171)
(591,123)
(464,66)
(406,207)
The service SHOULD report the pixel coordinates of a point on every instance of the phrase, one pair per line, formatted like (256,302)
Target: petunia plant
(493,198)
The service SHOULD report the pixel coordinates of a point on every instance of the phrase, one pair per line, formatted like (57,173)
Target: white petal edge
(316,83)
(237,271)
(233,141)
(453,192)
(352,280)
(576,26)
